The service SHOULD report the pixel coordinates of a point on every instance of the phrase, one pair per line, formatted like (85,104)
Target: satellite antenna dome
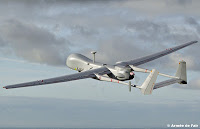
(93,52)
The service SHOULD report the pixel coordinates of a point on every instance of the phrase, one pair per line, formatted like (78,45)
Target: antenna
(93,52)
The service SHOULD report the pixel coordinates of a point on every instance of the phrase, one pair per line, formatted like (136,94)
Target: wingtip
(4,87)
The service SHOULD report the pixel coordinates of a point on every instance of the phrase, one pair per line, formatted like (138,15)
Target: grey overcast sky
(36,37)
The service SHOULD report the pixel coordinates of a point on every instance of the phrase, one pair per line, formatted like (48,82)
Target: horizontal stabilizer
(181,72)
(166,83)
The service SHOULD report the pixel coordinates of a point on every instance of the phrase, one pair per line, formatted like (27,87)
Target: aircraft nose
(69,60)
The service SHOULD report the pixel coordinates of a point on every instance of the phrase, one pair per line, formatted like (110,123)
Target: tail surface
(149,83)
(181,72)
(180,77)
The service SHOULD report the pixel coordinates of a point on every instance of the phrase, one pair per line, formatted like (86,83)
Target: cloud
(142,37)
(154,8)
(82,30)
(193,84)
(54,29)
(116,49)
(182,3)
(192,63)
(194,23)
(34,43)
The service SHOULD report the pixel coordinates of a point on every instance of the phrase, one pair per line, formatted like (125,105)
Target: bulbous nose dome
(70,62)
(74,60)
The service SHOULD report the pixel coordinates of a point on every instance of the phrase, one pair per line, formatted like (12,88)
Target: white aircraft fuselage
(81,63)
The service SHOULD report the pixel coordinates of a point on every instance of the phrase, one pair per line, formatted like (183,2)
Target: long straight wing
(166,83)
(157,55)
(76,76)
